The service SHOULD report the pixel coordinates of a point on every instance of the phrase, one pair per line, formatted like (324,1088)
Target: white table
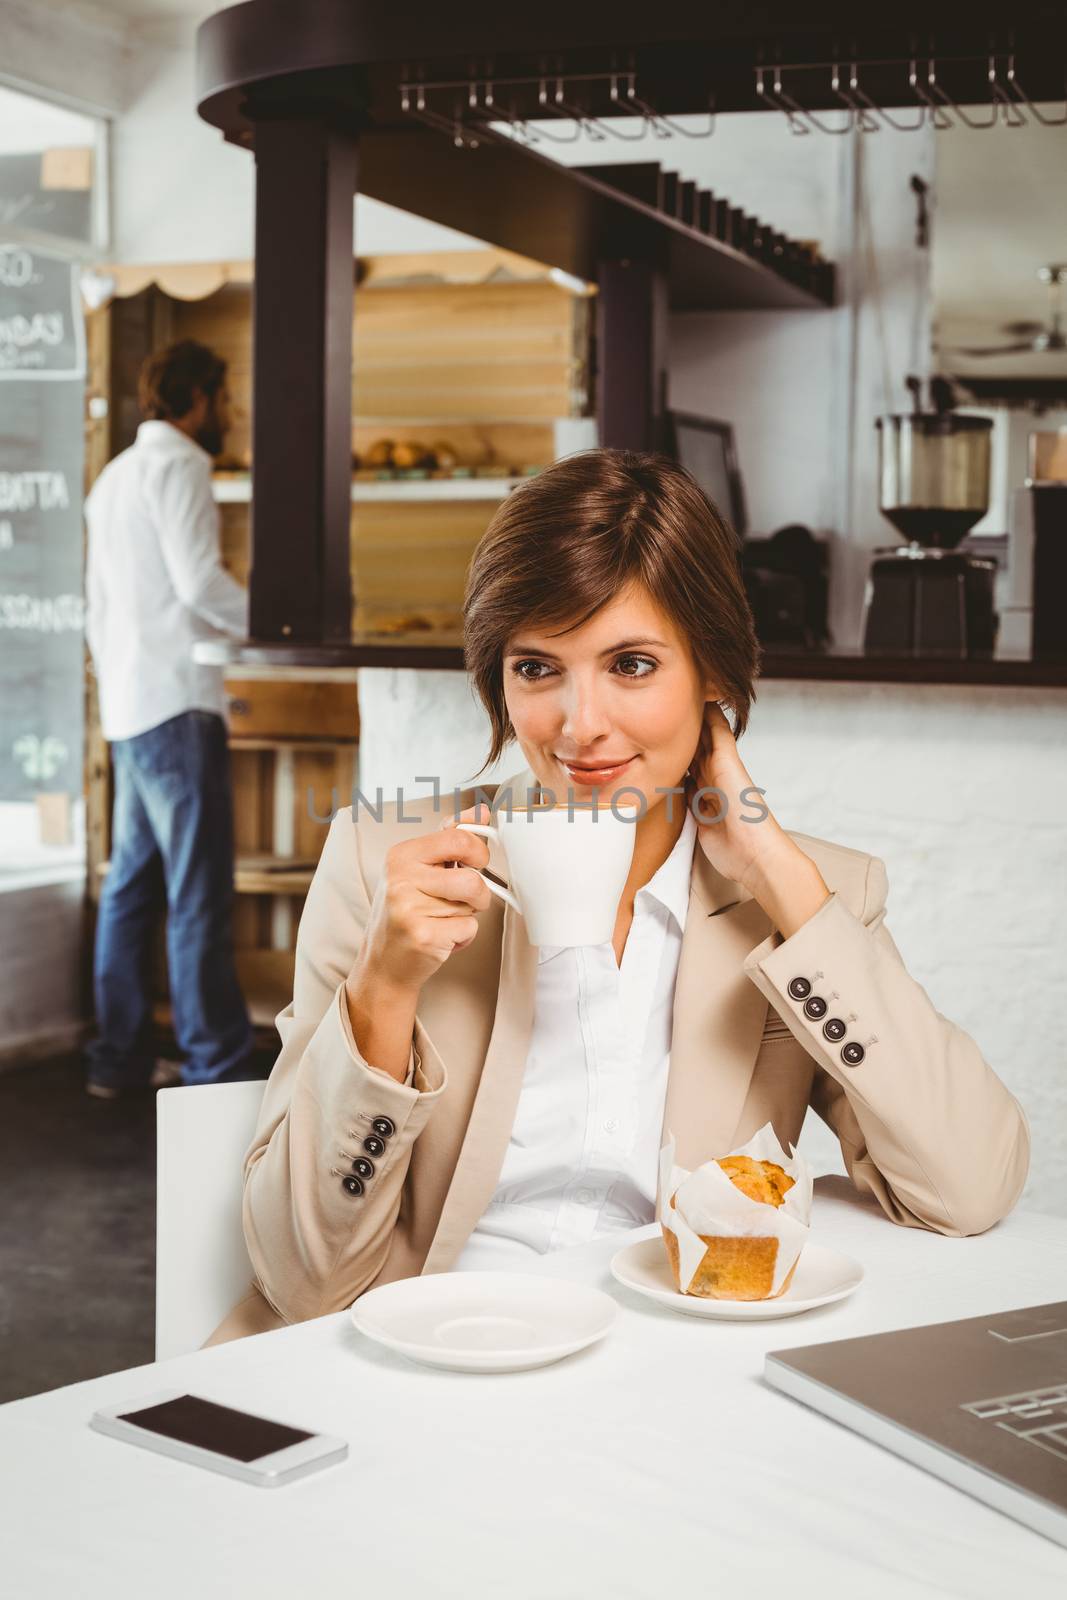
(656,1459)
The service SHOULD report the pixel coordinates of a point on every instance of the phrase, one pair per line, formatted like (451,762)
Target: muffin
(735,1228)
(764,1181)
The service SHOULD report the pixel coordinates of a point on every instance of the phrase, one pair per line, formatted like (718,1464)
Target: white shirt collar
(670,884)
(164,435)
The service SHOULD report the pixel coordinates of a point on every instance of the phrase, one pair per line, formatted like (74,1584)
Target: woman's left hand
(747,843)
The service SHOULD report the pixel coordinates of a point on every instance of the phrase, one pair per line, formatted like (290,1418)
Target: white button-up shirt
(155,583)
(584,1150)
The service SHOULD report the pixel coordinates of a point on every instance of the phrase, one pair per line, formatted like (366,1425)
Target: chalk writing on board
(61,613)
(12,210)
(42,607)
(17,269)
(21,338)
(24,491)
(42,333)
(40,759)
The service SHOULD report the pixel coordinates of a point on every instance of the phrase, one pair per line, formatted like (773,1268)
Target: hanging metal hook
(1012,116)
(453,126)
(542,100)
(586,123)
(525,131)
(640,115)
(520,129)
(665,126)
(476,113)
(787,101)
(866,102)
(655,124)
(939,118)
(1016,88)
(947,100)
(864,120)
(790,110)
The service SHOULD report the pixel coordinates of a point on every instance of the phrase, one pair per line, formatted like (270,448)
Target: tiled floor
(77,1228)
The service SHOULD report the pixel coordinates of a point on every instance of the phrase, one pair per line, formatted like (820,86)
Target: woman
(449,1095)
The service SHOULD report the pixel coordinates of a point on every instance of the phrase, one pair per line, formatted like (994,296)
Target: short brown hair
(566,543)
(169,377)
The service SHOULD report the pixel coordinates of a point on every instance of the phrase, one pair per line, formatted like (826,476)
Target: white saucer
(821,1277)
(484,1321)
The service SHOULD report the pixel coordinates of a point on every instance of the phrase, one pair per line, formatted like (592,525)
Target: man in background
(155,585)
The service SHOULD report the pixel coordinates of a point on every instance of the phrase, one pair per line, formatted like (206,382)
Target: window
(53,175)
(52,218)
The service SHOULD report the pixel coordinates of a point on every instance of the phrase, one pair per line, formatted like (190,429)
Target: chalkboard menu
(42,386)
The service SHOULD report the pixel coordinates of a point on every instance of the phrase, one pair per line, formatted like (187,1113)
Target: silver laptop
(982,1403)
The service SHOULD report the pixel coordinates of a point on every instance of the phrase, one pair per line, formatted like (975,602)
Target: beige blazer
(924,1124)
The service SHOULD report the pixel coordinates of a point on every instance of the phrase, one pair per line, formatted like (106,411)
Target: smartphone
(254,1449)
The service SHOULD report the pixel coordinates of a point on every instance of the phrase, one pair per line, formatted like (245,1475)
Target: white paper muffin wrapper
(705,1201)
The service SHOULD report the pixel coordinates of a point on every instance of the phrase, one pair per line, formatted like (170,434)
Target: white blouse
(583,1156)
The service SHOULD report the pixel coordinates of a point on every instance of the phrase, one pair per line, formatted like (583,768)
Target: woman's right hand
(424,909)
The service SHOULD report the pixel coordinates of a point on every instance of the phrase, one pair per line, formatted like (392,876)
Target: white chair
(202,1264)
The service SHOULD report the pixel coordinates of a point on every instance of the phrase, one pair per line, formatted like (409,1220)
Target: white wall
(183,194)
(772,375)
(960,791)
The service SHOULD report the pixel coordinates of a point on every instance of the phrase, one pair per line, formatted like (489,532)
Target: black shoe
(165,1075)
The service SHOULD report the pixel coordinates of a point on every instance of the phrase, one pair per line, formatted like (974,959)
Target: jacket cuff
(425,1075)
(825,996)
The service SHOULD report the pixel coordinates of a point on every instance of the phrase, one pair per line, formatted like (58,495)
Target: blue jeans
(172,835)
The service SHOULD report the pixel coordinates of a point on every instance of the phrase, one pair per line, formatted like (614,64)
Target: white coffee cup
(568,867)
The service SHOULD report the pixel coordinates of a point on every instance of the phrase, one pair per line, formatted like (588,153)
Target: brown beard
(209,436)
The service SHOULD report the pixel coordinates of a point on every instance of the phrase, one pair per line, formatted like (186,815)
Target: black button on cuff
(363,1167)
(374,1146)
(384,1127)
(815,1007)
(834,1029)
(352,1186)
(799,988)
(852,1054)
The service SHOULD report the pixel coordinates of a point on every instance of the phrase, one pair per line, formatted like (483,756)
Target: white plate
(484,1321)
(821,1277)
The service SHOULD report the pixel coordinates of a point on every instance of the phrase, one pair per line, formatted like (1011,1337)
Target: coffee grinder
(926,597)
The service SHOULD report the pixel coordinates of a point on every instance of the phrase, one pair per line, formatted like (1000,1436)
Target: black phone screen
(218,1428)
